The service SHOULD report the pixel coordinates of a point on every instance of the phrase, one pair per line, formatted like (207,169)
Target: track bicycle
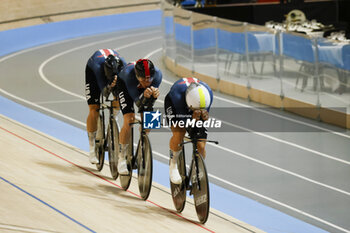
(107,140)
(196,180)
(142,160)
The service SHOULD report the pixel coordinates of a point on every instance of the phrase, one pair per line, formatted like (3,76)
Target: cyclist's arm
(109,87)
(158,76)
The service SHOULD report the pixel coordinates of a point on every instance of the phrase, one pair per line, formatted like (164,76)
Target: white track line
(289,143)
(41,67)
(43,108)
(59,101)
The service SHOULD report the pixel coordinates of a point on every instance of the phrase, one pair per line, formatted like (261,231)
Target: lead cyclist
(188,98)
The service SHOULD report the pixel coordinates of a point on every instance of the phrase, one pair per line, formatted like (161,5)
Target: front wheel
(144,167)
(178,191)
(99,143)
(125,180)
(113,148)
(200,189)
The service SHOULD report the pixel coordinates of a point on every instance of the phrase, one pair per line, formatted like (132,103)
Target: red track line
(42,148)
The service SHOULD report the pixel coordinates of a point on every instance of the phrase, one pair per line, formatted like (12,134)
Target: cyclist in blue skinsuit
(187,99)
(137,83)
(101,73)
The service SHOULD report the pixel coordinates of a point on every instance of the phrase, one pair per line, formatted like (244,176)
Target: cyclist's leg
(126,129)
(127,106)
(124,142)
(175,140)
(91,121)
(92,93)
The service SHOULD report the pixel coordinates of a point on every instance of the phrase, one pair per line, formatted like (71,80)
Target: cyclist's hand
(155,92)
(204,115)
(147,93)
(196,115)
(114,82)
(200,115)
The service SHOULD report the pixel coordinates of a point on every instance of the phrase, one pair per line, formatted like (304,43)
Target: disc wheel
(178,191)
(144,167)
(201,191)
(113,148)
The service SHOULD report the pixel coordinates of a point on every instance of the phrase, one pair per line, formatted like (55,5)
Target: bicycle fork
(112,130)
(194,178)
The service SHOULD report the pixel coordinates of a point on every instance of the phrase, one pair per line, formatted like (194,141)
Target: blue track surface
(13,40)
(240,207)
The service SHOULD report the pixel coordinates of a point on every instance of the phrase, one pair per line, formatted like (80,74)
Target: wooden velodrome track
(49,186)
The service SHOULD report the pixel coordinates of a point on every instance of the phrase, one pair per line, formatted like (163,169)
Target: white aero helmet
(197,96)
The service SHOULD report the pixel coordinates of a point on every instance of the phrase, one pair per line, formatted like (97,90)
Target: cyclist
(138,82)
(188,99)
(101,73)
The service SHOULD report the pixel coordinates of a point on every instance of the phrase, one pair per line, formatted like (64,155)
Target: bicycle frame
(196,179)
(111,116)
(194,140)
(194,160)
(142,133)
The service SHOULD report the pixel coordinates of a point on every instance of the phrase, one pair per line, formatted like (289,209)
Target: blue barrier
(231,41)
(262,42)
(204,38)
(335,54)
(183,34)
(297,47)
(169,26)
(294,46)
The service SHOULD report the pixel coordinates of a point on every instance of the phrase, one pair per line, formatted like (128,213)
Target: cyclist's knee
(93,108)
(178,132)
(175,140)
